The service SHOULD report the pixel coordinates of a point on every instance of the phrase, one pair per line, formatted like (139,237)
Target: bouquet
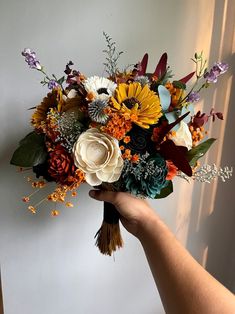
(131,131)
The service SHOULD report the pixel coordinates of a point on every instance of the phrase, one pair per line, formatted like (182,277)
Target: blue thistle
(96,111)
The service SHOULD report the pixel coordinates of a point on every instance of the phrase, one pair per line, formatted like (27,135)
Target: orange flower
(54,213)
(126,139)
(62,168)
(135,158)
(127,154)
(117,126)
(172,170)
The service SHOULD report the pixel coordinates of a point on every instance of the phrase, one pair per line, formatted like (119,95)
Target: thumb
(106,196)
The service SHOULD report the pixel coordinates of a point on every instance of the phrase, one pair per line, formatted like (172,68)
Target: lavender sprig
(210,76)
(34,63)
(30,58)
(218,69)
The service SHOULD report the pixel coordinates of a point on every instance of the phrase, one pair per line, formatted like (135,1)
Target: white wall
(51,266)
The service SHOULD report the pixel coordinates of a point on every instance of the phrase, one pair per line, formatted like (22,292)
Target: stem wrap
(108,237)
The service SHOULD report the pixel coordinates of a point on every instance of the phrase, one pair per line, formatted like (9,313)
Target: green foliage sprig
(112,56)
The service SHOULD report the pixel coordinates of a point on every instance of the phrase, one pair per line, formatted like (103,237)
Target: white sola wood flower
(183,136)
(99,156)
(101,87)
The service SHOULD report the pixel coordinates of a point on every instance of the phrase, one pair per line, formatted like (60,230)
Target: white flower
(99,156)
(71,94)
(100,87)
(183,136)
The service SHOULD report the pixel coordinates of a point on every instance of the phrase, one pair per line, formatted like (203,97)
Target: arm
(183,284)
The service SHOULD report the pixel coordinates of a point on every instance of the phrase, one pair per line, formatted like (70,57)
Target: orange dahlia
(62,168)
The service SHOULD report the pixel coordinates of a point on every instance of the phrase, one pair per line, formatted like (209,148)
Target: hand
(135,213)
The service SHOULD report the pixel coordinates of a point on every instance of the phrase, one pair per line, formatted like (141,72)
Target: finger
(106,196)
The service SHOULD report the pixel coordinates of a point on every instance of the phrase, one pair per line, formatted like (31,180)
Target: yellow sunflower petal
(147,109)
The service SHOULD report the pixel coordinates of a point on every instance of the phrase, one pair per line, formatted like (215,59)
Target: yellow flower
(57,101)
(140,104)
(52,100)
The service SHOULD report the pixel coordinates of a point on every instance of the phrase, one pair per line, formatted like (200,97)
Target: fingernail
(92,193)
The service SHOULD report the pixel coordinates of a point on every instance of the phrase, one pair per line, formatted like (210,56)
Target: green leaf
(199,151)
(179,84)
(61,80)
(165,191)
(31,152)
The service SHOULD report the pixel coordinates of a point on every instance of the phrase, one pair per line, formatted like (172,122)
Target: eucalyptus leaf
(199,151)
(165,191)
(171,117)
(189,108)
(31,151)
(165,97)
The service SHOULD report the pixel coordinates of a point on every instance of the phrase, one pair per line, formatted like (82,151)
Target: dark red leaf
(200,119)
(161,66)
(170,151)
(143,65)
(220,115)
(187,77)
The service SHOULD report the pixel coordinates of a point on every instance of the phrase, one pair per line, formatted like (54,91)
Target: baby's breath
(208,173)
(69,129)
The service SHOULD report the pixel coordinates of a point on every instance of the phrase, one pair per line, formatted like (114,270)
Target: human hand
(135,213)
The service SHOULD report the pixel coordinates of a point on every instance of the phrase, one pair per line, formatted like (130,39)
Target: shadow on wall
(211,229)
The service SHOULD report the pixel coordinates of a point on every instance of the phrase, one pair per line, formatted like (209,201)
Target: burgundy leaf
(161,66)
(220,115)
(170,151)
(200,119)
(187,77)
(143,65)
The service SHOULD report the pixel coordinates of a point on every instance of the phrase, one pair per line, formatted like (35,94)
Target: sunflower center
(130,102)
(102,90)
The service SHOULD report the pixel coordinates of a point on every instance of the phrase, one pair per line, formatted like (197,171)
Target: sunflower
(139,104)
(52,100)
(55,100)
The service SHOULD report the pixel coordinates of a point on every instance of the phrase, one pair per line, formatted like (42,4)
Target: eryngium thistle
(143,80)
(96,111)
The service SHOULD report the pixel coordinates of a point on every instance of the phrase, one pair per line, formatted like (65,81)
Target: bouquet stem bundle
(108,237)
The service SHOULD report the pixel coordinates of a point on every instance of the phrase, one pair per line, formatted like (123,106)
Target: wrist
(148,226)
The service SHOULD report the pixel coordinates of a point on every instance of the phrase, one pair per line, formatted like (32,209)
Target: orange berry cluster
(198,134)
(176,94)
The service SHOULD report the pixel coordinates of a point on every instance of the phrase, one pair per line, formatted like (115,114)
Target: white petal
(105,177)
(92,179)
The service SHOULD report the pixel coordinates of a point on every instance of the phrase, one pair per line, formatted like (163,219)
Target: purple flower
(211,77)
(30,58)
(193,97)
(52,84)
(218,69)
